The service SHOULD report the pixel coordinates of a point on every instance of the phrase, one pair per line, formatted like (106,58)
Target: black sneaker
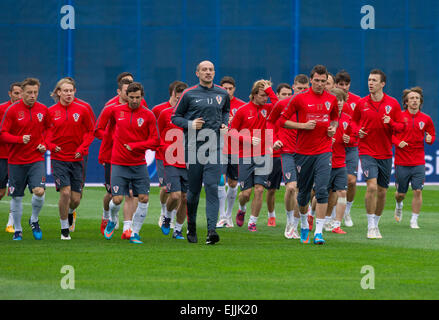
(65,234)
(212,237)
(192,236)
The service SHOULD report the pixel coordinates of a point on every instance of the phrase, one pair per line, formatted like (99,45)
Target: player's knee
(372,187)
(39,192)
(341,193)
(291,187)
(417,193)
(352,180)
(143,198)
(175,196)
(65,192)
(259,190)
(117,200)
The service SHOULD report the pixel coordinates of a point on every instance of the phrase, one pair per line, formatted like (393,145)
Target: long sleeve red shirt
(71,130)
(19,120)
(349,108)
(235,104)
(106,136)
(369,115)
(135,128)
(339,147)
(286,136)
(4,147)
(171,157)
(159,155)
(323,108)
(250,120)
(417,126)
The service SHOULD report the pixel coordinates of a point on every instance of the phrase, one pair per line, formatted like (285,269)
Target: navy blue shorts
(125,177)
(68,173)
(253,171)
(3,173)
(415,175)
(275,177)
(352,159)
(32,175)
(176,179)
(377,168)
(160,172)
(338,180)
(107,168)
(289,167)
(313,170)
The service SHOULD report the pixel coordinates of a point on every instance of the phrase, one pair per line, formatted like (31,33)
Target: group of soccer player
(311,135)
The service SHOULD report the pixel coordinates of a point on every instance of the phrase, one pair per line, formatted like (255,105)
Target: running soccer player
(283,90)
(204,106)
(70,135)
(231,169)
(317,115)
(301,83)
(175,171)
(378,116)
(14,95)
(410,154)
(330,83)
(24,126)
(343,81)
(255,161)
(173,99)
(338,181)
(135,132)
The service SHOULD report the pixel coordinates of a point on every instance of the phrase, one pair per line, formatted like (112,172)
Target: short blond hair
(339,94)
(67,80)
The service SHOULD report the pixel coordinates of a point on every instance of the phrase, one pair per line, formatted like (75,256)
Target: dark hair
(178,86)
(342,76)
(15,84)
(381,73)
(331,75)
(319,69)
(227,79)
(301,78)
(134,87)
(407,91)
(123,75)
(283,85)
(30,82)
(122,82)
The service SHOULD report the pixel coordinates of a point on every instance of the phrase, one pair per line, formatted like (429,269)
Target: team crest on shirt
(57,113)
(20,115)
(219,99)
(57,181)
(122,115)
(140,121)
(327,105)
(288,175)
(264,113)
(388,109)
(168,186)
(40,117)
(76,117)
(115,189)
(161,180)
(11,190)
(299,168)
(366,173)
(345,125)
(242,184)
(421,125)
(234,111)
(268,183)
(353,106)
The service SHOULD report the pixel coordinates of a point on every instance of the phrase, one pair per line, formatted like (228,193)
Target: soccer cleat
(318,239)
(304,235)
(271,222)
(161,220)
(348,220)
(371,233)
(229,223)
(36,231)
(18,235)
(377,233)
(192,237)
(72,221)
(222,223)
(212,237)
(135,238)
(398,214)
(291,232)
(252,227)
(240,218)
(310,221)
(166,226)
(104,223)
(177,235)
(65,234)
(109,230)
(126,235)
(414,224)
(10,229)
(338,230)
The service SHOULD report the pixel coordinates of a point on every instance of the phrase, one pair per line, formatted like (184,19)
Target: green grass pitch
(243,265)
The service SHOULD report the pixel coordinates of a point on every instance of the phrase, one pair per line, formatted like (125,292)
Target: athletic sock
(163,210)
(114,210)
(348,207)
(173,214)
(222,196)
(105,214)
(333,213)
(127,225)
(243,208)
(290,215)
(304,221)
(64,223)
(252,219)
(178,226)
(336,224)
(17,212)
(272,214)
(377,220)
(319,226)
(37,205)
(370,221)
(328,219)
(139,216)
(296,222)
(414,216)
(399,205)
(231,196)
(11,219)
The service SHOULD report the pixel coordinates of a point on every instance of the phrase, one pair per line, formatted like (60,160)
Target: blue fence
(163,40)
